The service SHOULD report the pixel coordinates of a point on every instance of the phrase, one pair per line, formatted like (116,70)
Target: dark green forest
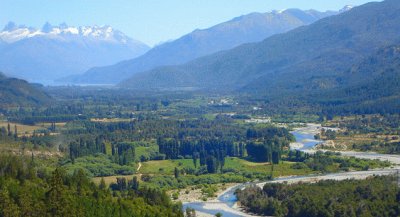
(376,196)
(27,191)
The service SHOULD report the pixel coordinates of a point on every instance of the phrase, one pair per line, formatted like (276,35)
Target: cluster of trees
(377,196)
(122,153)
(328,134)
(97,165)
(297,156)
(86,146)
(25,191)
(9,132)
(330,161)
(268,151)
(210,153)
(267,144)
(263,144)
(186,148)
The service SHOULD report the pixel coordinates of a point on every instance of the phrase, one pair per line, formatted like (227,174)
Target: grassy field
(147,150)
(166,167)
(27,130)
(282,169)
(46,125)
(22,129)
(237,170)
(111,179)
(110,120)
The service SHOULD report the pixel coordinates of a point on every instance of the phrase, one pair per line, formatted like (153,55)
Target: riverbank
(392,158)
(226,201)
(193,194)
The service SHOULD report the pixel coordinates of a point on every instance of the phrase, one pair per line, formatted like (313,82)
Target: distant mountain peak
(47,27)
(10,26)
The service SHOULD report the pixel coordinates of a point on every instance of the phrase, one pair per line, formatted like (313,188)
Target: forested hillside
(253,27)
(310,58)
(15,92)
(370,86)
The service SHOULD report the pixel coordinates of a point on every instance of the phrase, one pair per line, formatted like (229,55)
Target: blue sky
(150,21)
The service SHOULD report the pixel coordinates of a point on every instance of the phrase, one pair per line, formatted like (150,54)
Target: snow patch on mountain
(346,8)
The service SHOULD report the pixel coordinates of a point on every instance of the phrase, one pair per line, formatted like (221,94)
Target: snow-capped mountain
(13,33)
(52,52)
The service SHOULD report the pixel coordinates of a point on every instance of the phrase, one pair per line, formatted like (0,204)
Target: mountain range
(249,28)
(312,58)
(57,51)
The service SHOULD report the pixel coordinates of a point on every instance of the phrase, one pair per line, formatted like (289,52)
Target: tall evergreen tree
(176,173)
(57,200)
(9,133)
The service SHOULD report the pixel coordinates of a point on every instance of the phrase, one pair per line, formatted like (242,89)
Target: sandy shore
(310,129)
(296,145)
(189,195)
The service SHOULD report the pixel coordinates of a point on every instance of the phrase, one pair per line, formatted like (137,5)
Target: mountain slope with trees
(253,27)
(16,92)
(308,59)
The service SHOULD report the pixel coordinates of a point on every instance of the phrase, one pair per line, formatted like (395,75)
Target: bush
(299,166)
(98,165)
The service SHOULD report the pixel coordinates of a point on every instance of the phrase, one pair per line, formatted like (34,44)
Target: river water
(305,141)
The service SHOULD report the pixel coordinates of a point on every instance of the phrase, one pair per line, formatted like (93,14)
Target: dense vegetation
(26,191)
(331,162)
(181,141)
(377,196)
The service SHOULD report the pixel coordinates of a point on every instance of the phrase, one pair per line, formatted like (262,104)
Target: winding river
(226,201)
